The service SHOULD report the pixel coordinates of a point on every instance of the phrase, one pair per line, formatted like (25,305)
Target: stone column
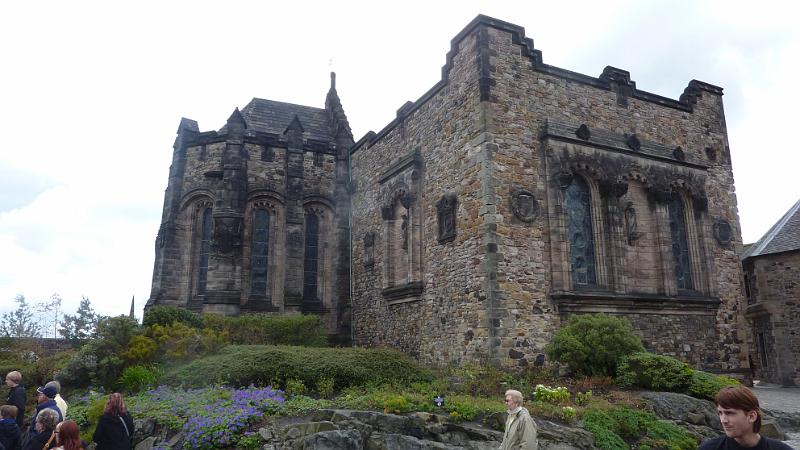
(293,287)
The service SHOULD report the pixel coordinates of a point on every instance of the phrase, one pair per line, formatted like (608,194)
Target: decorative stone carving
(633,143)
(630,224)
(723,232)
(524,205)
(227,234)
(164,235)
(446,215)
(711,153)
(564,179)
(583,132)
(369,249)
(679,154)
(404,230)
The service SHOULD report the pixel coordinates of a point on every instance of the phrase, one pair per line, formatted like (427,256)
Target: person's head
(45,393)
(115,405)
(46,420)
(13,378)
(68,435)
(738,411)
(55,385)
(8,412)
(513,399)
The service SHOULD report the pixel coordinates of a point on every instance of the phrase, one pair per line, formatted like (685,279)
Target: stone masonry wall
(777,289)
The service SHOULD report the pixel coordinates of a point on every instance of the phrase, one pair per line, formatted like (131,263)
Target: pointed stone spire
(132,316)
(294,125)
(236,123)
(338,121)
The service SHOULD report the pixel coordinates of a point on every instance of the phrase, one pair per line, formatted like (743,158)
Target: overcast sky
(91,94)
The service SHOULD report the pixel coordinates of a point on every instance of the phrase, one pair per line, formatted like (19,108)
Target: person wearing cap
(45,398)
(62,405)
(16,396)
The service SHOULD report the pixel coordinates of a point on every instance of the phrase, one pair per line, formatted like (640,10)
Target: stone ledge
(404,293)
(610,302)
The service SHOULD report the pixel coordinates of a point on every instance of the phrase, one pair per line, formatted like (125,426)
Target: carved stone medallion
(723,232)
(679,154)
(524,205)
(633,143)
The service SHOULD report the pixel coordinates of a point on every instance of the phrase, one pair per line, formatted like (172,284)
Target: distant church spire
(132,316)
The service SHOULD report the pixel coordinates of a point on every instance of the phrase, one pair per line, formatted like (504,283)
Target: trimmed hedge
(268,329)
(261,365)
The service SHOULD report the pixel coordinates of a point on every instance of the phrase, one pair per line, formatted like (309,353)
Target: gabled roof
(269,116)
(784,236)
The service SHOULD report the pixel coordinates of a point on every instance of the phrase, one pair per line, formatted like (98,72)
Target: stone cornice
(612,302)
(259,138)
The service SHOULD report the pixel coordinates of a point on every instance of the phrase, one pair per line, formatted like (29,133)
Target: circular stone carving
(524,205)
(723,232)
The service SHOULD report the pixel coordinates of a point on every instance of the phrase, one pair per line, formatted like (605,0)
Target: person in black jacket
(115,427)
(10,435)
(16,396)
(44,398)
(45,424)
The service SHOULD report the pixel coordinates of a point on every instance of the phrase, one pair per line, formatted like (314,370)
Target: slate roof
(274,117)
(784,236)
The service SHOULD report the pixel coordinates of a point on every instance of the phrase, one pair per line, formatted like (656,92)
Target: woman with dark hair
(68,436)
(115,427)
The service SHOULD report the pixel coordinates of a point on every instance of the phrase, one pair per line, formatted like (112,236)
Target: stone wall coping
(404,293)
(608,80)
(612,302)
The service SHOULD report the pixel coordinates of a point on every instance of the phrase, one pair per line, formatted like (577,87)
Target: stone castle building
(508,197)
(772,287)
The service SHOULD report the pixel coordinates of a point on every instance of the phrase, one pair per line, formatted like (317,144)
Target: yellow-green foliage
(295,387)
(268,329)
(556,396)
(325,386)
(93,413)
(181,341)
(141,349)
(396,404)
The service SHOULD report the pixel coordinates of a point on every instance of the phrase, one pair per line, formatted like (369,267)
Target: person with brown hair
(10,435)
(115,427)
(68,436)
(740,416)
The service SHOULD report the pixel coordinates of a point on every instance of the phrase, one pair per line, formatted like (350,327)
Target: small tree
(20,323)
(50,311)
(592,344)
(82,325)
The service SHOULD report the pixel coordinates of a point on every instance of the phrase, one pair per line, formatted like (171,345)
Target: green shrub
(243,365)
(583,398)
(593,344)
(480,380)
(295,387)
(179,341)
(93,413)
(267,329)
(249,441)
(141,349)
(706,385)
(325,387)
(137,378)
(167,315)
(461,410)
(655,372)
(623,428)
(396,404)
(556,396)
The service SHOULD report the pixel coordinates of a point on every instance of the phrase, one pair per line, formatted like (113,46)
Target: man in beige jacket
(520,428)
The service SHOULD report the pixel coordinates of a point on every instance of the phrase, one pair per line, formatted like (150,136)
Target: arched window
(311,258)
(579,228)
(203,251)
(260,252)
(680,246)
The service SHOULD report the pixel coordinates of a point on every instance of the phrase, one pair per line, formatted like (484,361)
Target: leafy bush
(242,365)
(396,404)
(624,428)
(167,315)
(325,387)
(482,381)
(706,385)
(141,349)
(295,387)
(593,344)
(136,378)
(556,396)
(179,341)
(266,329)
(655,372)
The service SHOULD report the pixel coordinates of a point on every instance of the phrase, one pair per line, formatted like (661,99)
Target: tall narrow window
(311,258)
(260,254)
(680,246)
(202,254)
(579,229)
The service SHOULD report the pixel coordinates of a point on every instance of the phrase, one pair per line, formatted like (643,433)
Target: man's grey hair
(48,418)
(516,396)
(55,385)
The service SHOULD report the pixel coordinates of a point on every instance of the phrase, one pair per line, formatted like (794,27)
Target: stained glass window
(680,246)
(310,259)
(579,229)
(205,247)
(260,253)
